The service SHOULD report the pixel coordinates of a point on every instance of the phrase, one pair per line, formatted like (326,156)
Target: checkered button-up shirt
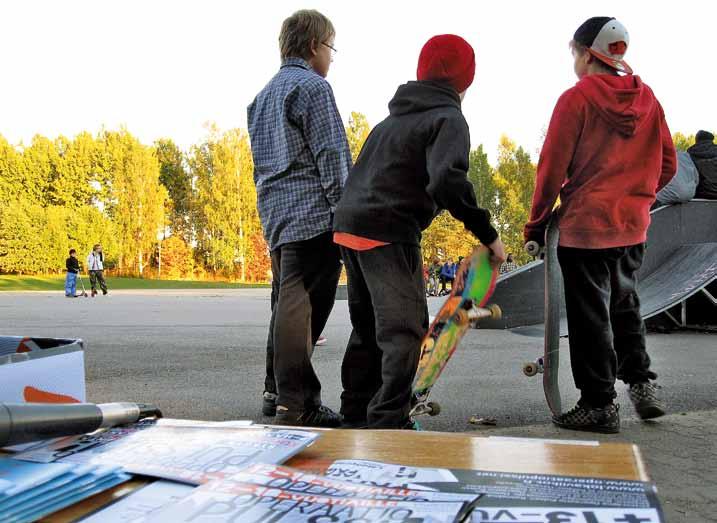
(301,155)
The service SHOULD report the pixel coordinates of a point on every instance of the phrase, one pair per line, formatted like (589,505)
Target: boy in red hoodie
(607,152)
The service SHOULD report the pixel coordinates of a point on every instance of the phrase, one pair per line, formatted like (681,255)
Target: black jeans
(605,328)
(305,277)
(389,314)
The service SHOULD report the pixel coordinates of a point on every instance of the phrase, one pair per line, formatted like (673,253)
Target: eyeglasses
(333,49)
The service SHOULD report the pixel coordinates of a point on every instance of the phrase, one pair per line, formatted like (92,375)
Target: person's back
(301,159)
(607,152)
(704,155)
(298,142)
(617,152)
(411,166)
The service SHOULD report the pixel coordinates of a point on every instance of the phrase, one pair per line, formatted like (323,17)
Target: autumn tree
(226,218)
(683,142)
(357,131)
(176,259)
(177,179)
(514,178)
(136,198)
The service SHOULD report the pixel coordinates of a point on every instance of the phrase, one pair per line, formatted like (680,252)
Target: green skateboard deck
(472,288)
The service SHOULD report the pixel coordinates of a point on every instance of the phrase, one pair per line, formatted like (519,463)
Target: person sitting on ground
(413,163)
(704,155)
(72,264)
(509,264)
(448,275)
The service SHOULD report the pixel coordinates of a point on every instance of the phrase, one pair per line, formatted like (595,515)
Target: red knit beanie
(447,58)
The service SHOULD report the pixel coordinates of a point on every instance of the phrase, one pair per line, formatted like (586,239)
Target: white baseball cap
(607,40)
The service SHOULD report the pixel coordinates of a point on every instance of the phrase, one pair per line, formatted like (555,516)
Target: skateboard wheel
(495,311)
(434,409)
(462,317)
(428,344)
(530,369)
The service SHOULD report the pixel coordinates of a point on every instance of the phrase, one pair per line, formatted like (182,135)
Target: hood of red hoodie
(624,101)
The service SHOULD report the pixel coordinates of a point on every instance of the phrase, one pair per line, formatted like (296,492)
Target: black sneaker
(354,424)
(584,417)
(268,406)
(644,397)
(319,417)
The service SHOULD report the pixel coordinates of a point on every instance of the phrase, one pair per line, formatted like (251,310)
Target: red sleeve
(555,158)
(669,155)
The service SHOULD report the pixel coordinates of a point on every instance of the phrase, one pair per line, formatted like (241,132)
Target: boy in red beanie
(412,166)
(607,152)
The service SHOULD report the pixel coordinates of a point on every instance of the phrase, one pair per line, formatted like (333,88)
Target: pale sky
(164,68)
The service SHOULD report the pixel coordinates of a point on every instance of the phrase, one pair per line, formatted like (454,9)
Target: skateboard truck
(474,313)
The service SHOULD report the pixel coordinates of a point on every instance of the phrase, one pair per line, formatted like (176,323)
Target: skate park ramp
(680,260)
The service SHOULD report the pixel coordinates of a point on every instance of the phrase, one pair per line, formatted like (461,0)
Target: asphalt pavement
(200,355)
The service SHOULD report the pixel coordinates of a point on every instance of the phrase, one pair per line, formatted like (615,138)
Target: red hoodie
(607,152)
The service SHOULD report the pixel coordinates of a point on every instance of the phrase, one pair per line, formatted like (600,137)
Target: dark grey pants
(98,277)
(605,328)
(305,275)
(389,314)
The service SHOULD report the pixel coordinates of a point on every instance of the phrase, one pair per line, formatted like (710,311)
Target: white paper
(388,474)
(135,507)
(192,454)
(510,514)
(226,500)
(293,480)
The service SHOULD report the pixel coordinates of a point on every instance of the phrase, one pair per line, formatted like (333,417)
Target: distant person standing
(72,264)
(704,156)
(509,265)
(434,270)
(96,268)
(301,160)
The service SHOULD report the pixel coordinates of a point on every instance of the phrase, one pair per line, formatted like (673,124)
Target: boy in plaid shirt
(301,160)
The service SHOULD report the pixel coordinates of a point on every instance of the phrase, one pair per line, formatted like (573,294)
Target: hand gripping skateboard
(549,364)
(472,288)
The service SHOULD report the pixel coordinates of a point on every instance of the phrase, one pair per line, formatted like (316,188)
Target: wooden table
(434,449)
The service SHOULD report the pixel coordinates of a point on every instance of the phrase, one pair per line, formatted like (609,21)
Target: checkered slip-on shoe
(583,417)
(646,399)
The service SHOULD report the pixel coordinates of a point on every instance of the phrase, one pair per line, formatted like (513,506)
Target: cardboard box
(42,370)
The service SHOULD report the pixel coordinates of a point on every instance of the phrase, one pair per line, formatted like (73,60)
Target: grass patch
(57,283)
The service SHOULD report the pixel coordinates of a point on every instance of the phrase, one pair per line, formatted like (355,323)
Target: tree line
(163,212)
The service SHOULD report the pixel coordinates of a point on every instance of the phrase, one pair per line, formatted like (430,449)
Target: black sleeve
(447,164)
(68,264)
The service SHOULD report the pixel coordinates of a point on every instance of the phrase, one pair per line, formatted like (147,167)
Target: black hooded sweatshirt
(413,165)
(704,155)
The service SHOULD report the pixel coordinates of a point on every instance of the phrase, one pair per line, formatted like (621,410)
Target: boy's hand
(497,256)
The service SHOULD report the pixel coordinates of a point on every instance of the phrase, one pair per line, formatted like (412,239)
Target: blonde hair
(300,30)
